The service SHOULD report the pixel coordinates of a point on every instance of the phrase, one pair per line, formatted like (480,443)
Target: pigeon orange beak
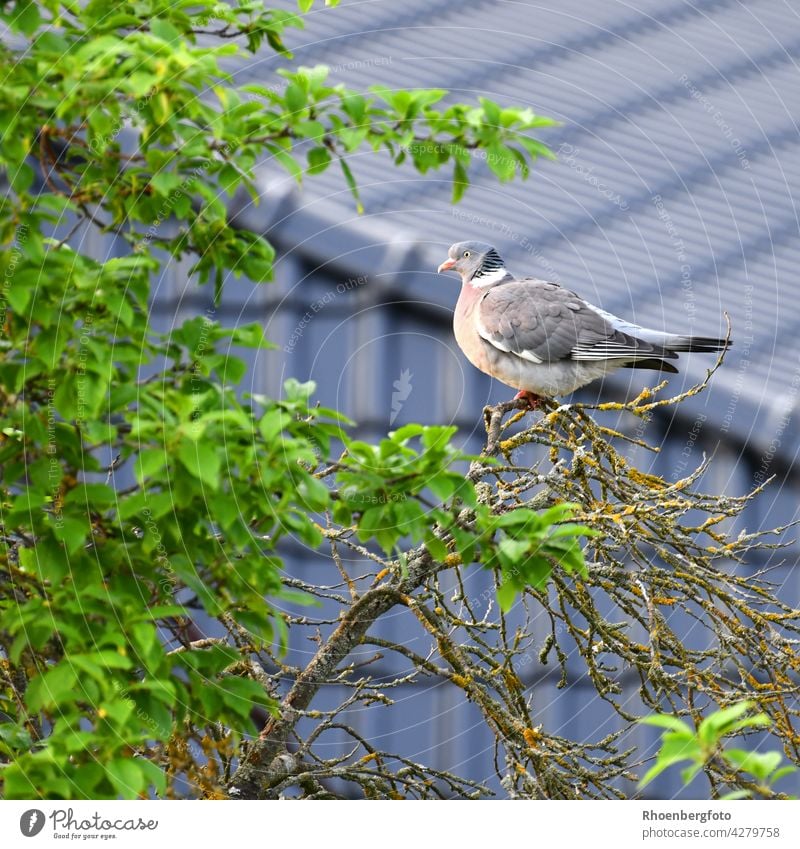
(446,265)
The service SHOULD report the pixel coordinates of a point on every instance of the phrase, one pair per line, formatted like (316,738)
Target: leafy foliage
(703,746)
(138,485)
(384,486)
(530,544)
(142,69)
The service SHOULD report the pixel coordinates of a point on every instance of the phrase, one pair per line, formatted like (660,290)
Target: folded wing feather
(542,322)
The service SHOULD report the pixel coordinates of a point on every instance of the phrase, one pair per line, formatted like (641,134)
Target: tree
(122,119)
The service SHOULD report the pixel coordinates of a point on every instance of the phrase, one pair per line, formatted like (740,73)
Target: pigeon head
(478,263)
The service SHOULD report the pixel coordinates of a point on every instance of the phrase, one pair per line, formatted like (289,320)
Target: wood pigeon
(543,339)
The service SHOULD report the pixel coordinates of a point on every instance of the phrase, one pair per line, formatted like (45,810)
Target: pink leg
(532,399)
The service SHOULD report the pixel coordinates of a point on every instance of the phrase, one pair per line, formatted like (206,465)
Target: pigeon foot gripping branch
(543,339)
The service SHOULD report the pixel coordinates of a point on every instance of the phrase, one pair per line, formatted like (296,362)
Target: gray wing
(543,322)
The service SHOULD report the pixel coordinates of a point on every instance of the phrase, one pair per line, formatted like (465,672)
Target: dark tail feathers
(698,344)
(654,364)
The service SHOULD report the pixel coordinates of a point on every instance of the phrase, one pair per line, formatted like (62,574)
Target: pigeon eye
(466,254)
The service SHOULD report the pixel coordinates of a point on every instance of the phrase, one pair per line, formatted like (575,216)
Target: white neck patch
(489,279)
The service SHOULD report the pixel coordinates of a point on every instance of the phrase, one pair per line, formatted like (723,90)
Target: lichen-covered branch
(662,556)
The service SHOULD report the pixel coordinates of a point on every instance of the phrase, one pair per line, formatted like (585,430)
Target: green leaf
(289,163)
(202,460)
(25,18)
(96,495)
(502,162)
(165,182)
(49,559)
(352,185)
(309,130)
(297,391)
(782,773)
(568,554)
(664,720)
(536,148)
(512,551)
(506,595)
(312,493)
(559,513)
(164,30)
(251,336)
(760,720)
(466,544)
(149,462)
(406,432)
(22,177)
(722,722)
(444,485)
(438,437)
(572,530)
(675,748)
(319,158)
(437,549)
(99,662)
(690,773)
(305,528)
(761,765)
(242,695)
(72,532)
(52,687)
(19,293)
(491,111)
(518,518)
(273,422)
(18,785)
(127,777)
(536,572)
(295,98)
(153,775)
(14,736)
(736,794)
(460,181)
(86,778)
(50,343)
(86,379)
(372,520)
